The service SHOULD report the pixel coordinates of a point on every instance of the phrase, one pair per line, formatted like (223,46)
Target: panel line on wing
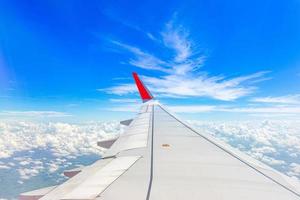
(151,162)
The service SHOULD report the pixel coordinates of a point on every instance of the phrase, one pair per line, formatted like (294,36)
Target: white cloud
(183,77)
(202,85)
(288,99)
(53,167)
(123,100)
(133,108)
(142,59)
(62,139)
(270,109)
(271,161)
(27,173)
(30,149)
(24,162)
(151,37)
(262,112)
(192,109)
(295,169)
(120,89)
(177,40)
(264,150)
(33,114)
(275,142)
(2,166)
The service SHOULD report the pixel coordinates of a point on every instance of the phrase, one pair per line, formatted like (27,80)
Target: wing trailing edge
(143,90)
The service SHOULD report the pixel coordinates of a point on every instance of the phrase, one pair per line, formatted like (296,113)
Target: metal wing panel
(134,184)
(187,165)
(136,136)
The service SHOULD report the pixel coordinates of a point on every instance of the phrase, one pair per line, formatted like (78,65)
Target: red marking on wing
(144,92)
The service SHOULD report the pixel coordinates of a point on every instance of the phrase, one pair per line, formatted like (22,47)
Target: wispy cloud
(33,114)
(151,37)
(288,99)
(274,111)
(144,60)
(125,107)
(120,89)
(122,100)
(183,76)
(267,111)
(270,109)
(177,40)
(203,85)
(192,108)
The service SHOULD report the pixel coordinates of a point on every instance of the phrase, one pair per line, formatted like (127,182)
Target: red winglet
(144,92)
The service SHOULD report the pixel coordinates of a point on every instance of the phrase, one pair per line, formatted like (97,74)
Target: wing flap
(107,143)
(136,136)
(72,172)
(36,194)
(94,185)
(126,122)
(58,192)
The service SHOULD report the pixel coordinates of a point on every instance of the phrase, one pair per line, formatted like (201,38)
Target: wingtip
(144,92)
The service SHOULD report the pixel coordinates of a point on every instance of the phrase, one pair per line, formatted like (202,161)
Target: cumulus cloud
(60,138)
(182,75)
(35,151)
(295,169)
(275,142)
(4,166)
(27,173)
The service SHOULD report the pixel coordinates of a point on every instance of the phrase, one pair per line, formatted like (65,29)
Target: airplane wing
(160,157)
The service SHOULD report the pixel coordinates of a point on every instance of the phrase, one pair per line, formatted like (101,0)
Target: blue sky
(72,60)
